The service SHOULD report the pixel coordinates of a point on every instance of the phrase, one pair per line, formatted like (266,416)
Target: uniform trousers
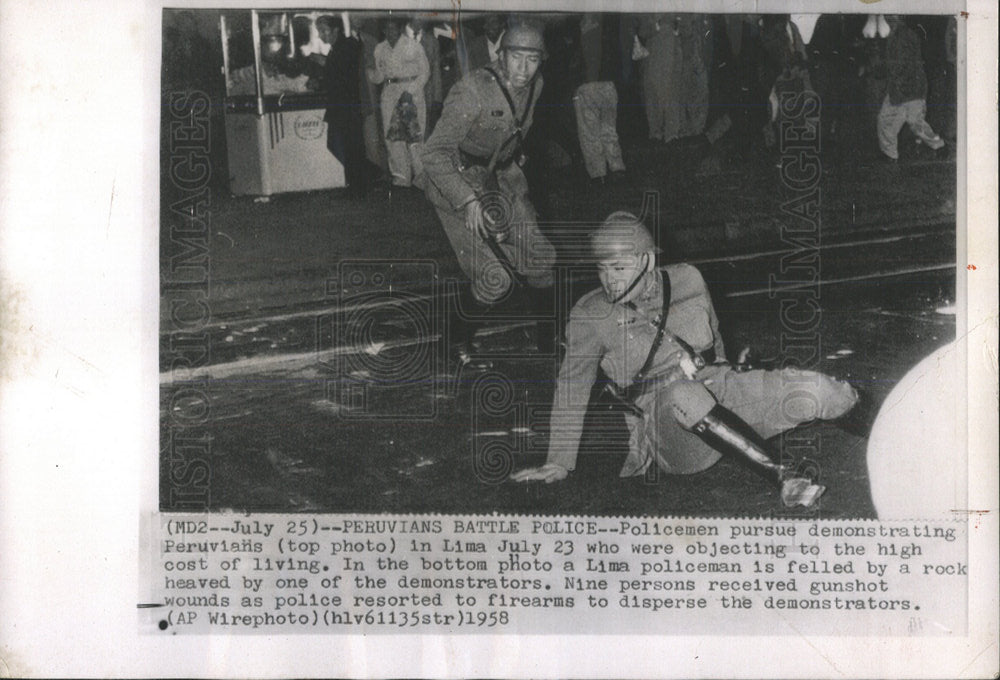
(890,121)
(771,402)
(529,251)
(596,107)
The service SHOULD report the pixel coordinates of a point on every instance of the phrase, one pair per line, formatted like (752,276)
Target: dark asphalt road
(321,397)
(302,426)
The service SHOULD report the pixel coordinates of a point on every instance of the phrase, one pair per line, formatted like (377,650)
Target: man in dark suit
(484,49)
(341,82)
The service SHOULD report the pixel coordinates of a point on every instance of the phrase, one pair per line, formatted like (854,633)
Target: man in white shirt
(402,67)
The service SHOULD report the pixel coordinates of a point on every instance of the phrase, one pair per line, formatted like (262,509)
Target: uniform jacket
(617,339)
(476,119)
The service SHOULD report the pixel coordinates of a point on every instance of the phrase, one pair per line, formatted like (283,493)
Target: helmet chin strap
(635,282)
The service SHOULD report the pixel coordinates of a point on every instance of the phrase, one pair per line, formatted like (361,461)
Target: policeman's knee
(689,401)
(488,296)
(492,284)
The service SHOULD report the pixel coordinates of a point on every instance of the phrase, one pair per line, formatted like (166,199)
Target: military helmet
(621,234)
(524,37)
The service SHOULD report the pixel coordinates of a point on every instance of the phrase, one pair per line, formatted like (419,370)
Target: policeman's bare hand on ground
(548,473)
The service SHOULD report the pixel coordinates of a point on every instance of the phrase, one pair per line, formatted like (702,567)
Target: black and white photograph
(498,339)
(601,263)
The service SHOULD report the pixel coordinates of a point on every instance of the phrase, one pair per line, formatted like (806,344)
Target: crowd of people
(654,78)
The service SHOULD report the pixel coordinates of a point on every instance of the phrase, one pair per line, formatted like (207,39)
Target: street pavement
(328,397)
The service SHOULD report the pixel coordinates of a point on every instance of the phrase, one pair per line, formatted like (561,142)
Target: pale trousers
(405,165)
(890,121)
(596,106)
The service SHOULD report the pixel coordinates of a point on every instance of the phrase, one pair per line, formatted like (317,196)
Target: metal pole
(255,29)
(225,49)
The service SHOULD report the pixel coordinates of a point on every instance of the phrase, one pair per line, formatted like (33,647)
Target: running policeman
(473,164)
(655,334)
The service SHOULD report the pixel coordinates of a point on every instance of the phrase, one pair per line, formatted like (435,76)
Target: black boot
(697,411)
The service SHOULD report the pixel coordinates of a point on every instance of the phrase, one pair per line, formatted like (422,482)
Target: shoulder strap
(519,122)
(661,328)
(518,133)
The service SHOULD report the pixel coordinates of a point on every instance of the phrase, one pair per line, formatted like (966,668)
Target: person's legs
(739,413)
(658,437)
(344,139)
(673,95)
(399,155)
(373,142)
(417,148)
(336,144)
(654,101)
(488,284)
(421,104)
(775,401)
(696,99)
(490,281)
(890,122)
(355,171)
(588,130)
(530,252)
(767,403)
(534,258)
(916,112)
(415,157)
(399,163)
(608,108)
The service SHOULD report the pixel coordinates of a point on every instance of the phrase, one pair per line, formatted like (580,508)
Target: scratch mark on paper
(111,205)
(808,642)
(987,648)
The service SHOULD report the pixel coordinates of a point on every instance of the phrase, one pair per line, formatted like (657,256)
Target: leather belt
(467,160)
(708,356)
(401,80)
(621,399)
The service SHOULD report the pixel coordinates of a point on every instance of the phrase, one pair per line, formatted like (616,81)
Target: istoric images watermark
(797,285)
(383,336)
(184,291)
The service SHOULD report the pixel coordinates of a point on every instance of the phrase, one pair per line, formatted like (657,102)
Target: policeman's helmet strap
(632,286)
(518,122)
